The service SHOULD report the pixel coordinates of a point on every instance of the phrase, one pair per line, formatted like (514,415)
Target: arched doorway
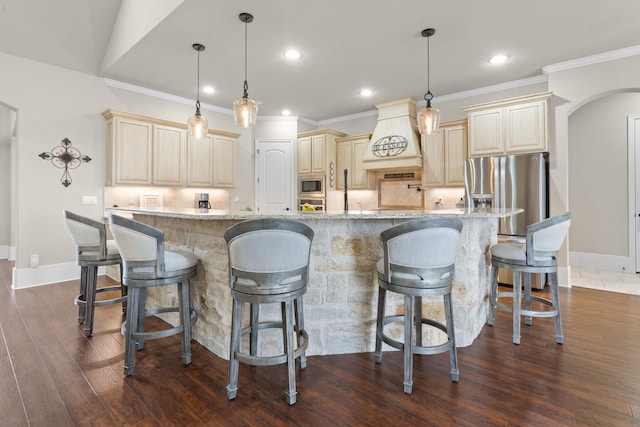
(602,183)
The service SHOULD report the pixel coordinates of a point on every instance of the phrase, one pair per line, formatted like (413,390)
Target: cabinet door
(133,153)
(304,156)
(360,175)
(343,161)
(526,128)
(485,133)
(455,145)
(224,162)
(168,156)
(433,159)
(318,156)
(200,162)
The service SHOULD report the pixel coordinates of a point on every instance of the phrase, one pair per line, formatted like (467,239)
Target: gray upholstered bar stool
(543,241)
(418,261)
(93,250)
(268,263)
(147,264)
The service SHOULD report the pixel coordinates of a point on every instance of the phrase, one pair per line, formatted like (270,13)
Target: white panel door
(275,176)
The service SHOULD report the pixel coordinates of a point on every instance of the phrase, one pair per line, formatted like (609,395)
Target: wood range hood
(395,143)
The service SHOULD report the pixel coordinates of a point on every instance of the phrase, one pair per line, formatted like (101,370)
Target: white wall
(5,181)
(598,193)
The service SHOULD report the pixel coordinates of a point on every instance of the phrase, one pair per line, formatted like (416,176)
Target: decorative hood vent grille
(395,143)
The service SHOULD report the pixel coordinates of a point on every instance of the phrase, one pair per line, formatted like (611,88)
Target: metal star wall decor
(65,157)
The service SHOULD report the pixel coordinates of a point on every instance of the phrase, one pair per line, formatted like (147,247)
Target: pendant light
(245,109)
(197,125)
(428,117)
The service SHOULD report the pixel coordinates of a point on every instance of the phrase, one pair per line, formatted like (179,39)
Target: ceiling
(346,45)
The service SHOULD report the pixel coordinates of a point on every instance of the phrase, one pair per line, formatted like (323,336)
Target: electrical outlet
(89,200)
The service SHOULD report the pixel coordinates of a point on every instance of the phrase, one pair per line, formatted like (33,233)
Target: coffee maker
(203,201)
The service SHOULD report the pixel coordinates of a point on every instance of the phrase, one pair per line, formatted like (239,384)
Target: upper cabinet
(513,126)
(443,154)
(168,156)
(129,151)
(146,151)
(349,155)
(317,154)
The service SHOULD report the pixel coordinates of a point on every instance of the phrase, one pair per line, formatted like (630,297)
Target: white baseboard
(4,251)
(564,276)
(12,253)
(619,264)
(46,275)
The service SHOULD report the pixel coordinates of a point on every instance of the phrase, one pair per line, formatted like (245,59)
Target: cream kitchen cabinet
(513,126)
(168,156)
(443,154)
(146,151)
(212,162)
(317,152)
(349,155)
(224,161)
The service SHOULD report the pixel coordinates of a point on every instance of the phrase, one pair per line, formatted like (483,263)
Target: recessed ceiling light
(286,112)
(292,54)
(208,89)
(366,92)
(499,59)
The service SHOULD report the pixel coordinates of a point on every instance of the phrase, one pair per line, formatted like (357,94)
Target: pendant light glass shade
(428,117)
(245,109)
(197,125)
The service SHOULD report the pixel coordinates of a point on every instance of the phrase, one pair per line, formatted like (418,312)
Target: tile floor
(628,283)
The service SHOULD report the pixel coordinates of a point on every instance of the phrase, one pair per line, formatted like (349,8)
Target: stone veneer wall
(340,304)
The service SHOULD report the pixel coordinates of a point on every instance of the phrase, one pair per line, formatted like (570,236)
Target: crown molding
(163,95)
(593,59)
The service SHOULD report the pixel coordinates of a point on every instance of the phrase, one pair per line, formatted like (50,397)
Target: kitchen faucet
(346,202)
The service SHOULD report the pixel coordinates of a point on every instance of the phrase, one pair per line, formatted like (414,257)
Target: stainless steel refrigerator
(516,181)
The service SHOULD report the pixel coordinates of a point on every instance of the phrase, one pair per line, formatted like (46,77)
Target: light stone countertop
(219,214)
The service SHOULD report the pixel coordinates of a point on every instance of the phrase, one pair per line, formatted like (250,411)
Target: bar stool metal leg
(382,296)
(517,298)
(408,343)
(453,356)
(299,322)
(287,316)
(236,328)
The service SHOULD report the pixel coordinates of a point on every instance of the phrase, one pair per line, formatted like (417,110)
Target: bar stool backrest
(268,255)
(426,247)
(141,247)
(89,236)
(545,238)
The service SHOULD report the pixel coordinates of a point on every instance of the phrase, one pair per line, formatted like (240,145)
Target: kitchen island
(340,304)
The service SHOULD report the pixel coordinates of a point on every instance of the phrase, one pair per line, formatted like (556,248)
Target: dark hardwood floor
(51,375)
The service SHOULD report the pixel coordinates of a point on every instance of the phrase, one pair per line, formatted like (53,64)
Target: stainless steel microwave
(311,186)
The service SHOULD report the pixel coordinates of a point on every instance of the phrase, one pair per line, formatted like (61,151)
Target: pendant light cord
(198,88)
(428,96)
(246,85)
(428,65)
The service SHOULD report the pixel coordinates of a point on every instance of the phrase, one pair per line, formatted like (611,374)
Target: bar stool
(418,261)
(93,250)
(543,241)
(268,263)
(147,264)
